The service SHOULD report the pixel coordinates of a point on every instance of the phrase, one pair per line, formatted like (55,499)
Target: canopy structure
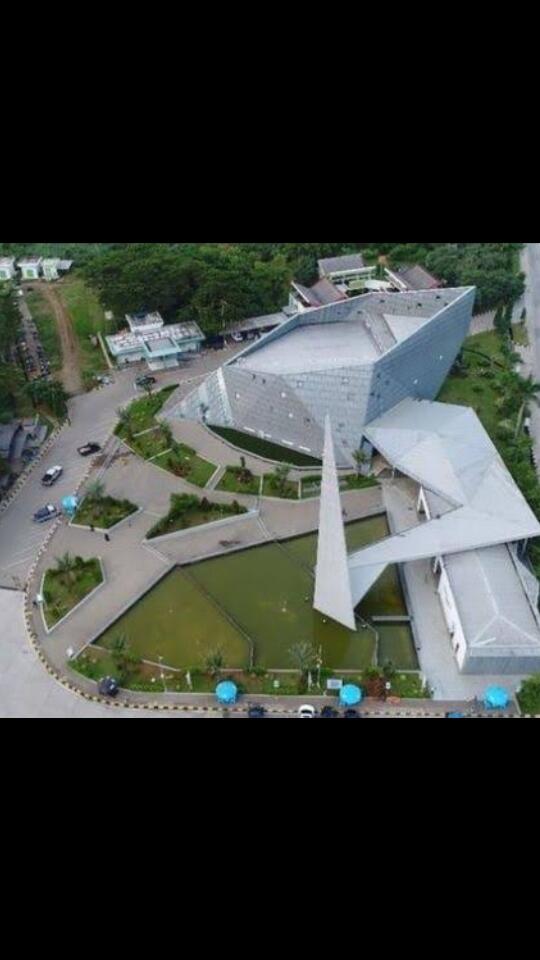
(496,697)
(70,504)
(445,449)
(350,695)
(226,691)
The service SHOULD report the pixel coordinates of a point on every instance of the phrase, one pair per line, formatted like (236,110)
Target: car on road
(48,512)
(51,476)
(108,687)
(145,381)
(237,337)
(306,712)
(88,448)
(256,710)
(351,714)
(329,712)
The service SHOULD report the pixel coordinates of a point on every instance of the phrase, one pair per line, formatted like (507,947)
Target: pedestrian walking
(107,537)
(92,527)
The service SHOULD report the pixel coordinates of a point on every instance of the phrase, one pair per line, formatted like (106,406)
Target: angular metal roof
(446,450)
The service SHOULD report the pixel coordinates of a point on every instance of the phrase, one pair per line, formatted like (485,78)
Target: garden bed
(265,449)
(184,462)
(188,511)
(63,589)
(232,481)
(143,411)
(104,512)
(285,491)
(311,486)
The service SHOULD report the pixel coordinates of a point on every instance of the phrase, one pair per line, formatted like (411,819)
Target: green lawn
(519,334)
(232,483)
(45,321)
(150,444)
(88,319)
(311,486)
(64,590)
(184,462)
(263,448)
(288,492)
(476,386)
(189,511)
(104,512)
(144,409)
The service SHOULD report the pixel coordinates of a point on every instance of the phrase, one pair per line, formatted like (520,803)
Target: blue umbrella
(70,504)
(226,691)
(496,697)
(349,695)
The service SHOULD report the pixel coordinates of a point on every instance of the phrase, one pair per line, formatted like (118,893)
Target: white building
(52,267)
(7,268)
(348,271)
(30,267)
(476,525)
(149,338)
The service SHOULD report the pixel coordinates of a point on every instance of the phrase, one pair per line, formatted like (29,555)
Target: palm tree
(167,434)
(214,661)
(528,390)
(95,490)
(65,563)
(126,422)
(303,655)
(360,458)
(280,476)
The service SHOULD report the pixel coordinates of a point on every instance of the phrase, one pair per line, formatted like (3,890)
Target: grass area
(235,480)
(188,511)
(103,512)
(263,448)
(519,334)
(150,444)
(88,320)
(63,589)
(475,385)
(311,486)
(184,462)
(45,321)
(142,411)
(286,491)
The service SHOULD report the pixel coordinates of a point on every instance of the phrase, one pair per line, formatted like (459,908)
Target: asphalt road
(92,417)
(530,262)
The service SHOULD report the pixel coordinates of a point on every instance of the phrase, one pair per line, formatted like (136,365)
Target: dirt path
(70,374)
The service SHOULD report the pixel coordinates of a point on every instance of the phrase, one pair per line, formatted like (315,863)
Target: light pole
(161,674)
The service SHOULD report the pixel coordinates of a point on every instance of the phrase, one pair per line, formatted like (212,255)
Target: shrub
(529,694)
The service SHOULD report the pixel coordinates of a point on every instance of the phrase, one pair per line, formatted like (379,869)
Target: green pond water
(261,598)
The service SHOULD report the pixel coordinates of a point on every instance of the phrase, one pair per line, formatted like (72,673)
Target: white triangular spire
(332,583)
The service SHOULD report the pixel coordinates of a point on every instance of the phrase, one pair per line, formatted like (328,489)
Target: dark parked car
(351,714)
(88,448)
(329,712)
(256,711)
(145,381)
(46,513)
(51,476)
(108,687)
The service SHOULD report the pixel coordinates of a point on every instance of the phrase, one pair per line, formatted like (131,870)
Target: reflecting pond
(257,603)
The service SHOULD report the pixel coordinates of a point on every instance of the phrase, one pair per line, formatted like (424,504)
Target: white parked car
(51,476)
(306,712)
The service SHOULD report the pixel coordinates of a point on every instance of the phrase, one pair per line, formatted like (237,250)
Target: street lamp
(161,674)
